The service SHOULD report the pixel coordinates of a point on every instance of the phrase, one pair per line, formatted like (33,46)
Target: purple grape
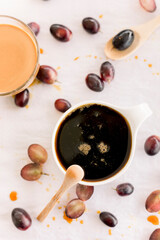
(62,105)
(153,202)
(22,98)
(47,74)
(84,192)
(21,219)
(155,235)
(37,153)
(61,32)
(31,171)
(75,208)
(94,82)
(108,219)
(123,40)
(107,72)
(125,189)
(152,145)
(149,6)
(34,27)
(91,25)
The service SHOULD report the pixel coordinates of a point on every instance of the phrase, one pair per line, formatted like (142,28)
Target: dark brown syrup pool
(95,137)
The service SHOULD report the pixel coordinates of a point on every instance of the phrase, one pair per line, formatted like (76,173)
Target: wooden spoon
(74,174)
(141,34)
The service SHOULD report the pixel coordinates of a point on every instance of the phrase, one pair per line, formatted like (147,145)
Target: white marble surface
(134,83)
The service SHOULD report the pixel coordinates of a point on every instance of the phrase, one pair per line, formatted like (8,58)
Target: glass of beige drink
(19,56)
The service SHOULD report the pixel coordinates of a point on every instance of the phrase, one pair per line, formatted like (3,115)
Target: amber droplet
(41,51)
(89,55)
(109,232)
(33,83)
(13,196)
(101,16)
(58,68)
(81,222)
(57,87)
(76,58)
(153,219)
(69,220)
(38,181)
(150,65)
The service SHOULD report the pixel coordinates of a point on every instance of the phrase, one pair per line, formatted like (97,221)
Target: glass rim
(37,52)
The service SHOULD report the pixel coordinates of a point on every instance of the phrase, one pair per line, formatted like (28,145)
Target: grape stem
(45,174)
(57,81)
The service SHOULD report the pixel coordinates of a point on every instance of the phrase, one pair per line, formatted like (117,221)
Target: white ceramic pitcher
(134,115)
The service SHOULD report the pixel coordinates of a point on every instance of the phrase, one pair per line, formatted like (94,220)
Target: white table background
(134,83)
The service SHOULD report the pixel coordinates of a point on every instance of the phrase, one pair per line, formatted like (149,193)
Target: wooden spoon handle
(154,23)
(73,175)
(51,204)
(147,28)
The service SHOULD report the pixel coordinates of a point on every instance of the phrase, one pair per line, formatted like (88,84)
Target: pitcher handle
(136,115)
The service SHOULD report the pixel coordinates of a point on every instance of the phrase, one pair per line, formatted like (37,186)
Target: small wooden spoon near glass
(133,38)
(74,175)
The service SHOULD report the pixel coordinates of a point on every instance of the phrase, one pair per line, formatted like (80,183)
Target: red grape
(94,82)
(84,192)
(75,208)
(22,98)
(21,219)
(148,5)
(123,40)
(155,235)
(153,202)
(91,25)
(61,32)
(107,72)
(108,219)
(37,153)
(152,145)
(62,105)
(125,189)
(34,27)
(47,74)
(31,171)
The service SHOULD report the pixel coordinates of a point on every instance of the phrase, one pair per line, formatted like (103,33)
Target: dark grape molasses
(95,137)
